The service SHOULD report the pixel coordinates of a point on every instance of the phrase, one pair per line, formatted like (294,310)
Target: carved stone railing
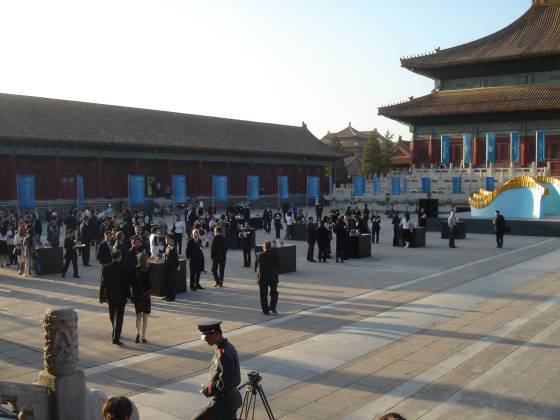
(33,398)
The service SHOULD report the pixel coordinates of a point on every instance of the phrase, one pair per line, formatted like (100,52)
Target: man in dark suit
(267,220)
(218,253)
(500,228)
(190,219)
(246,237)
(115,290)
(171,264)
(323,240)
(311,238)
(85,239)
(266,267)
(104,249)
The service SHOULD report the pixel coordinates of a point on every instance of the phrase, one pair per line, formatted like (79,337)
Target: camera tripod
(252,388)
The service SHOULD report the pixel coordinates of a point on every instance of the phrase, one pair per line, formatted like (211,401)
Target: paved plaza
(432,333)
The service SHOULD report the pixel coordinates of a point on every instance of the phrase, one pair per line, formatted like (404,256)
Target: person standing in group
(196,260)
(85,240)
(115,290)
(28,250)
(311,239)
(375,227)
(4,245)
(500,228)
(10,243)
(171,264)
(53,231)
(405,226)
(289,225)
(178,232)
(319,210)
(341,238)
(278,224)
(190,218)
(423,218)
(225,376)
(452,222)
(323,240)
(141,288)
(218,253)
(104,249)
(396,223)
(154,242)
(267,219)
(267,267)
(18,249)
(70,254)
(246,237)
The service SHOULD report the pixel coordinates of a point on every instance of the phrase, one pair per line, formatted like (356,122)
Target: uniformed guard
(225,376)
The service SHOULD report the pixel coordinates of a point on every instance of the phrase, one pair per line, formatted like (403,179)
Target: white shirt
(289,220)
(405,223)
(154,247)
(179,227)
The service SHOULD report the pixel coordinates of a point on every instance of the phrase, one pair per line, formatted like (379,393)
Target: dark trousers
(310,250)
(170,285)
(323,247)
(395,237)
(12,259)
(74,260)
(116,315)
(375,237)
(277,233)
(85,254)
(264,291)
(194,278)
(267,226)
(452,233)
(246,257)
(218,268)
(178,242)
(500,240)
(340,251)
(224,408)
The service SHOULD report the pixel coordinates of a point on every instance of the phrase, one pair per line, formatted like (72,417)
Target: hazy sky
(324,62)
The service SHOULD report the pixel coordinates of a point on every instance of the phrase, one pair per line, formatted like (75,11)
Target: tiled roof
(52,120)
(478,101)
(534,34)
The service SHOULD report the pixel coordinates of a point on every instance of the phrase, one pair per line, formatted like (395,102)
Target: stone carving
(61,341)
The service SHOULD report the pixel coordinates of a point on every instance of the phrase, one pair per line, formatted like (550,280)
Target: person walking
(267,220)
(218,253)
(171,264)
(104,249)
(267,267)
(141,288)
(70,254)
(246,236)
(115,290)
(311,239)
(452,222)
(405,226)
(500,228)
(196,260)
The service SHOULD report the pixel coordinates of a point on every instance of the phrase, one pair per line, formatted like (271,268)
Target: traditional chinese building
(503,86)
(56,140)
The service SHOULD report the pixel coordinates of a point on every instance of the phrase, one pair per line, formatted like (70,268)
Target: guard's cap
(210,327)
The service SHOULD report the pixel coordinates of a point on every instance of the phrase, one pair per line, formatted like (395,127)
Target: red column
(13,178)
(135,166)
(430,151)
(168,173)
(474,152)
(524,151)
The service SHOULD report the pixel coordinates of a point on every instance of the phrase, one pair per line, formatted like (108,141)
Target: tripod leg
(265,403)
(245,405)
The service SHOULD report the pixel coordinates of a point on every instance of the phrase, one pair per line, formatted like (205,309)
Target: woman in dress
(18,248)
(141,289)
(28,250)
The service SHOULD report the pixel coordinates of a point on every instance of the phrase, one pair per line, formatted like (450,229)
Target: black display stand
(360,246)
(299,232)
(286,257)
(431,205)
(418,238)
(50,259)
(460,230)
(157,279)
(256,222)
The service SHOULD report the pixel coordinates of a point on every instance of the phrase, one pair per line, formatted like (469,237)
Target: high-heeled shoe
(137,338)
(144,340)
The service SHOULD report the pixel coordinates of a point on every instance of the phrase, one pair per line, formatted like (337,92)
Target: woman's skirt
(143,305)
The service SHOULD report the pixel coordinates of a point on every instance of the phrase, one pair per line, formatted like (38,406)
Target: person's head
(247,226)
(138,229)
(497,212)
(168,239)
(217,230)
(392,416)
(142,260)
(178,216)
(267,245)
(135,242)
(310,220)
(116,255)
(117,408)
(120,236)
(211,333)
(154,229)
(108,235)
(452,213)
(70,233)
(195,233)
(86,219)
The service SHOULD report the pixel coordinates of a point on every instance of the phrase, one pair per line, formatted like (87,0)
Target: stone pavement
(431,332)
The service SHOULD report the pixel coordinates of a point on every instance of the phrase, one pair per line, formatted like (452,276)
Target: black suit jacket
(219,248)
(195,255)
(104,253)
(85,233)
(266,267)
(311,232)
(115,283)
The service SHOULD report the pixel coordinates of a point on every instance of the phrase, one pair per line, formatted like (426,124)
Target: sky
(322,62)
